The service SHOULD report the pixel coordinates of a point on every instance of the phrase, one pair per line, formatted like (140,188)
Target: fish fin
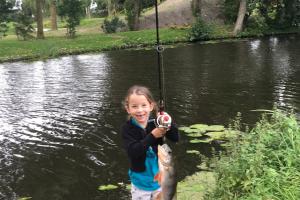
(157,177)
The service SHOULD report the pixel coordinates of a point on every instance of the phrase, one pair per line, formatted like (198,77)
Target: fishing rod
(163,118)
(159,49)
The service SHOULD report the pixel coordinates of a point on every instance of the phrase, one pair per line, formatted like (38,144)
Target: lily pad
(193,152)
(107,187)
(198,134)
(195,141)
(192,130)
(25,198)
(216,135)
(183,128)
(215,128)
(223,135)
(200,127)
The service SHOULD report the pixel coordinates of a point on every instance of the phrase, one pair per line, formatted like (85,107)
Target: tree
(5,10)
(39,19)
(87,5)
(133,10)
(53,13)
(196,7)
(111,7)
(240,18)
(71,9)
(23,25)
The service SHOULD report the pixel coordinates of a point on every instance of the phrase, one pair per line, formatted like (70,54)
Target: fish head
(164,154)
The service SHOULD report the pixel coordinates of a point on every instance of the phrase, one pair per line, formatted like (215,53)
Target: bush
(23,27)
(256,23)
(112,26)
(230,10)
(264,164)
(3,29)
(200,30)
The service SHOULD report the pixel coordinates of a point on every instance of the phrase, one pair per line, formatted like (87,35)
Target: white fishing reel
(163,120)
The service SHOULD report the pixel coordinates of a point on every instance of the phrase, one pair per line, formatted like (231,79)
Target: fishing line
(161,74)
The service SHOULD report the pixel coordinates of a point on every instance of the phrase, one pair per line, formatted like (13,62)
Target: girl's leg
(155,195)
(138,194)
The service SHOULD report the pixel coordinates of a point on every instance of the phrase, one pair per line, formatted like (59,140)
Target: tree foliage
(113,25)
(265,14)
(5,10)
(133,11)
(200,30)
(23,26)
(71,10)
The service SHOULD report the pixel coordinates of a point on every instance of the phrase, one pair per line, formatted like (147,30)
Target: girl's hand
(159,132)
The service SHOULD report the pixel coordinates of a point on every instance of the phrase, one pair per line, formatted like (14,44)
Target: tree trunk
(196,7)
(240,19)
(111,8)
(88,12)
(53,12)
(136,21)
(39,20)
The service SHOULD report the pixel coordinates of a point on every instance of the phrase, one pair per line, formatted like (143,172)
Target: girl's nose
(140,108)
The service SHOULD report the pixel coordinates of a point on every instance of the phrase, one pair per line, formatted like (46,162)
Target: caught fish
(166,176)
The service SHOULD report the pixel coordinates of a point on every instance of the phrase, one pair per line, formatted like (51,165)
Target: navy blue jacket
(137,141)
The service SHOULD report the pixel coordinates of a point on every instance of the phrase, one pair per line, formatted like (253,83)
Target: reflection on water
(60,118)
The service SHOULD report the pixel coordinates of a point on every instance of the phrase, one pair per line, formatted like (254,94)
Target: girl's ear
(127,109)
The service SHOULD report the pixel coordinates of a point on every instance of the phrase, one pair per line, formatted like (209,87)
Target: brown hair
(140,90)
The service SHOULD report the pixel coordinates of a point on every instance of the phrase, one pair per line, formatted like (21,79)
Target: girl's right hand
(159,132)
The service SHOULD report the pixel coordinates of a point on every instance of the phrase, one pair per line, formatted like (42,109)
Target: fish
(166,176)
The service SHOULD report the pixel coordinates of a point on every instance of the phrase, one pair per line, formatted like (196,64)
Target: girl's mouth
(140,117)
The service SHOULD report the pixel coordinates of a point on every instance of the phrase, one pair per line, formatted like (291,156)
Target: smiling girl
(141,138)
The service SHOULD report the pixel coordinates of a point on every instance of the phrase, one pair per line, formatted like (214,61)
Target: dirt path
(171,13)
(179,13)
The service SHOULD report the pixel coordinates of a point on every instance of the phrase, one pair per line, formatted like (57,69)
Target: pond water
(60,118)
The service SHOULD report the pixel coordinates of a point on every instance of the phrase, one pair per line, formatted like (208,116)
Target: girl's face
(139,108)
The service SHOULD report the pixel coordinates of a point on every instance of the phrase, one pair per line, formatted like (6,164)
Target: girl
(141,138)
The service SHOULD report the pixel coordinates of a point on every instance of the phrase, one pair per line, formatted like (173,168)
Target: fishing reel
(163,120)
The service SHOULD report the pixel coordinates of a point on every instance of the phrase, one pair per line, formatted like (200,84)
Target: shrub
(256,23)
(3,29)
(200,30)
(71,9)
(264,164)
(230,10)
(23,27)
(113,25)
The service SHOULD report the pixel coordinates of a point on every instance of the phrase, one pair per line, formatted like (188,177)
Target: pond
(60,118)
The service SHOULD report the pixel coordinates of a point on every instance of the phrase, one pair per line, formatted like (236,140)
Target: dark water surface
(60,118)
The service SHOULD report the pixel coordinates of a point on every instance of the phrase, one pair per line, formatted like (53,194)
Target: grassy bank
(262,164)
(53,46)
(90,38)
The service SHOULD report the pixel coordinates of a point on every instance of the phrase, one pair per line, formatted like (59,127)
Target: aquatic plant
(107,187)
(203,133)
(264,163)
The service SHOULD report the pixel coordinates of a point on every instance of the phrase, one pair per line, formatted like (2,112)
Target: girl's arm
(173,134)
(134,147)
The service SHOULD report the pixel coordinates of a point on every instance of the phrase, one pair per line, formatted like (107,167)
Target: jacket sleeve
(173,134)
(134,147)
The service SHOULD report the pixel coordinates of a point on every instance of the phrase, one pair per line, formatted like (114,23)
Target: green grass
(90,38)
(264,164)
(53,46)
